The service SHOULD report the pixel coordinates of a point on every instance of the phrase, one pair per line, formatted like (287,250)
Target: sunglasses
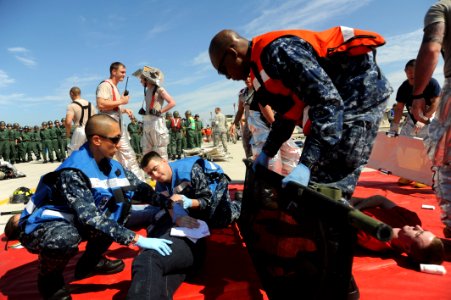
(115,139)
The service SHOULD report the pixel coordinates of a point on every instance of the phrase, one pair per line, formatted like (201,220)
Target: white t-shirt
(107,90)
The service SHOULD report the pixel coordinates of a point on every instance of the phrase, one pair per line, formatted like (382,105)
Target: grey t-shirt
(441,12)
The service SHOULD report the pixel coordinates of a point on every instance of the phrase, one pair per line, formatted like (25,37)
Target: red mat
(390,278)
(229,273)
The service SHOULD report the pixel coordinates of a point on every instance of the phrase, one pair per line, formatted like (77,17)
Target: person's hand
(187,221)
(262,160)
(125,99)
(128,111)
(159,245)
(187,202)
(232,128)
(418,110)
(299,175)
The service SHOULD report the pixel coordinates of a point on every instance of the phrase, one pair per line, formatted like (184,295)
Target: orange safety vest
(326,43)
(176,123)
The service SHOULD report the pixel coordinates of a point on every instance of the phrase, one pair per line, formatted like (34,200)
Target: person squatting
(81,200)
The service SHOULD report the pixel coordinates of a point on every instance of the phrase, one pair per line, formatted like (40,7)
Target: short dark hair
(75,91)
(115,66)
(410,63)
(12,230)
(432,254)
(148,157)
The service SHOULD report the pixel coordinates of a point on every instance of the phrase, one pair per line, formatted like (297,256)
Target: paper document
(192,233)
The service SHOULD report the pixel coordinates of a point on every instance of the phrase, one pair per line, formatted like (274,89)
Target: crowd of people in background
(49,142)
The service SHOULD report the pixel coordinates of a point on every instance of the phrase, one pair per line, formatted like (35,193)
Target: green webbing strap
(328,191)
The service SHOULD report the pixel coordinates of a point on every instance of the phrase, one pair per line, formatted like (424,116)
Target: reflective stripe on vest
(327,43)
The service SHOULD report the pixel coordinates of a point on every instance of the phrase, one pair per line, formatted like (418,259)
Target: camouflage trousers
(56,242)
(340,166)
(438,145)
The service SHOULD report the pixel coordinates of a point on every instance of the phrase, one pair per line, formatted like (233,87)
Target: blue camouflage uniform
(77,210)
(346,98)
(189,178)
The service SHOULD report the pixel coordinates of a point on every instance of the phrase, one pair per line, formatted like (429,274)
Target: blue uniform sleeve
(201,189)
(74,190)
(295,63)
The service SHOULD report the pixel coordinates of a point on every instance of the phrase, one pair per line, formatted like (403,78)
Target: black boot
(51,287)
(353,291)
(89,266)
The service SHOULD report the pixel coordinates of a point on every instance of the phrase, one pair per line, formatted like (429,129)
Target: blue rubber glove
(187,202)
(299,175)
(178,211)
(262,159)
(159,245)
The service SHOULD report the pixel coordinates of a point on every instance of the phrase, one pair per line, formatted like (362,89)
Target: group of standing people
(19,144)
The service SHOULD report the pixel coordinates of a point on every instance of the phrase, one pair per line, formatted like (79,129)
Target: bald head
(228,42)
(100,124)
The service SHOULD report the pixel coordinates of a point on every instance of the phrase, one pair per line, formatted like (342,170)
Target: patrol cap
(153,75)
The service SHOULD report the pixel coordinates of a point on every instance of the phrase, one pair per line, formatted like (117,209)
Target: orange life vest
(326,43)
(176,123)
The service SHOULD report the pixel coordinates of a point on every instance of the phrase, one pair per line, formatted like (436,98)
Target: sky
(49,46)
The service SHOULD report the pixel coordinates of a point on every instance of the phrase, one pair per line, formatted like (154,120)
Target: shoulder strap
(83,107)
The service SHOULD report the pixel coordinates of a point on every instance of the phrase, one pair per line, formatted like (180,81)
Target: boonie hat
(154,75)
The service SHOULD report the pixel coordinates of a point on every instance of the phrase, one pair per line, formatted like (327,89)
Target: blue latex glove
(187,202)
(159,245)
(178,211)
(299,175)
(262,159)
